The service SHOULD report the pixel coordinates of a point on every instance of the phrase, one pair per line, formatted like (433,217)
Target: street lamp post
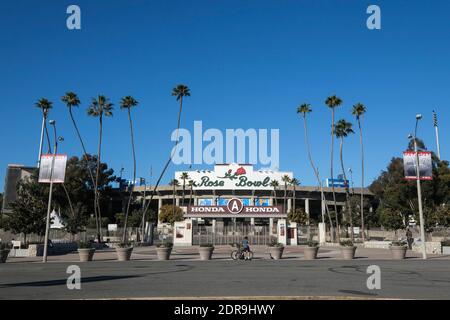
(419,190)
(49,206)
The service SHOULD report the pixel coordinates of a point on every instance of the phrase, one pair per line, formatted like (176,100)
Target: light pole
(436,128)
(419,190)
(49,206)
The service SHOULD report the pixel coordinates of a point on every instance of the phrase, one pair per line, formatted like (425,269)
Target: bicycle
(240,253)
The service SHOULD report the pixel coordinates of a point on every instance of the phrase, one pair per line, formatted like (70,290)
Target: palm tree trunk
(49,150)
(97,175)
(284,198)
(130,197)
(72,211)
(316,173)
(362,179)
(190,196)
(184,190)
(332,174)
(293,200)
(168,161)
(347,190)
(96,207)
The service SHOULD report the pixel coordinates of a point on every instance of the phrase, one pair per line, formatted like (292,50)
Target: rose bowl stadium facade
(233,200)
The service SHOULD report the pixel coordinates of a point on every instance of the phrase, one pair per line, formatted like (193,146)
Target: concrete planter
(205,252)
(398,252)
(163,253)
(124,254)
(276,252)
(4,255)
(348,253)
(86,254)
(445,250)
(311,253)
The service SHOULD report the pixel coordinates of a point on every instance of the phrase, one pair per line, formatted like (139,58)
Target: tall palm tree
(304,109)
(45,106)
(100,107)
(342,130)
(333,102)
(358,111)
(191,187)
(174,183)
(180,91)
(184,176)
(274,184)
(286,179)
(127,103)
(71,100)
(294,183)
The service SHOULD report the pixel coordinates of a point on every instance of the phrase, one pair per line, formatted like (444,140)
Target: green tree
(128,103)
(358,111)
(180,92)
(342,130)
(45,106)
(274,184)
(184,176)
(100,107)
(298,216)
(294,183)
(171,214)
(304,110)
(286,180)
(71,100)
(29,211)
(333,102)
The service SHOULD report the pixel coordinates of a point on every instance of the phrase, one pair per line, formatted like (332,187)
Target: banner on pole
(425,165)
(59,170)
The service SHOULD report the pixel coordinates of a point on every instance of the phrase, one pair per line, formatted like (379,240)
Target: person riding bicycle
(245,247)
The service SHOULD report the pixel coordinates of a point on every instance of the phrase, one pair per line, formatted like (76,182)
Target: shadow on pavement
(64,281)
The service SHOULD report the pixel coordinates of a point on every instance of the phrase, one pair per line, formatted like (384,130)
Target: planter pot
(3,255)
(276,252)
(348,253)
(124,254)
(398,252)
(311,253)
(163,253)
(205,252)
(86,254)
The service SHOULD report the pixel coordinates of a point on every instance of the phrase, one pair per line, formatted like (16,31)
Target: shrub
(207,245)
(346,243)
(165,245)
(445,243)
(398,243)
(5,246)
(125,245)
(276,244)
(84,245)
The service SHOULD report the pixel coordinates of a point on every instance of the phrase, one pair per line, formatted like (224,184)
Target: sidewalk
(223,253)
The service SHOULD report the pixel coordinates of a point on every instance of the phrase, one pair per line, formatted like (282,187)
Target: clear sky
(248,64)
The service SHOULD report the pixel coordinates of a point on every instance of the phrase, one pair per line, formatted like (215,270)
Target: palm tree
(184,176)
(333,102)
(286,179)
(45,106)
(191,187)
(294,183)
(127,103)
(274,184)
(175,184)
(358,111)
(342,130)
(305,109)
(71,100)
(180,91)
(100,107)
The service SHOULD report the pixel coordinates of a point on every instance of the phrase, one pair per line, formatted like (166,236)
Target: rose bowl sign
(235,208)
(233,177)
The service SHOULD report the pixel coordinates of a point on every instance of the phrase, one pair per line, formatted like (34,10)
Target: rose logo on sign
(235,206)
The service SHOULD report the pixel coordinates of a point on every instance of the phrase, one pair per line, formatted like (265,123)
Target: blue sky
(248,64)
